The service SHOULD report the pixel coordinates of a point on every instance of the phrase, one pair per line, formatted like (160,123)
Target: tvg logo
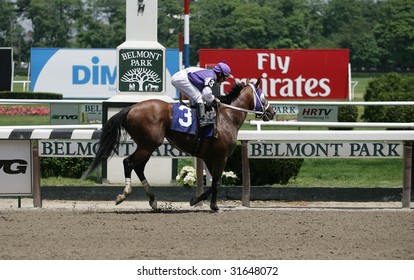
(65,117)
(13,166)
(100,74)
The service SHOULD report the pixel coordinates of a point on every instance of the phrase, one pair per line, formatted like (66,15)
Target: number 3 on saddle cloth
(184,120)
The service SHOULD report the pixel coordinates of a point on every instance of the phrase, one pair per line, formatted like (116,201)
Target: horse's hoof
(119,199)
(193,201)
(214,208)
(153,205)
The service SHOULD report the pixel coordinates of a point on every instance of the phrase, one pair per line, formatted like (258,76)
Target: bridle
(260,104)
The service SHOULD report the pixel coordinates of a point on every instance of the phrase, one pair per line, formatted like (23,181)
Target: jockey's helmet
(222,67)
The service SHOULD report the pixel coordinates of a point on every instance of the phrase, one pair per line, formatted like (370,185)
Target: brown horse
(149,122)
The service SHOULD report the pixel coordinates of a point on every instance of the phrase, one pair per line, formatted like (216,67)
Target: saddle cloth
(184,120)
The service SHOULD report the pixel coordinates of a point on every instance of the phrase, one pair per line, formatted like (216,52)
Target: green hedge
(265,171)
(29,95)
(346,113)
(21,72)
(390,87)
(63,167)
(262,171)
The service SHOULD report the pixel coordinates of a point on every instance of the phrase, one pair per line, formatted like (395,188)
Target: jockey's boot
(203,118)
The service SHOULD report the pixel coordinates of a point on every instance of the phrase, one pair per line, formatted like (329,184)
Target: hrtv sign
(287,74)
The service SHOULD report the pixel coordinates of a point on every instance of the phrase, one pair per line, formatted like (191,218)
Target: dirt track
(98,230)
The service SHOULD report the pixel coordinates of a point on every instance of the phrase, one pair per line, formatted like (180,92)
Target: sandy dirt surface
(266,230)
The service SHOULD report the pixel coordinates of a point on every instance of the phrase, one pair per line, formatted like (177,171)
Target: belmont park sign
(259,149)
(324,149)
(141,70)
(88,148)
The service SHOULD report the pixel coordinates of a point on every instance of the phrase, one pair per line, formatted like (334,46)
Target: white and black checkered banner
(22,133)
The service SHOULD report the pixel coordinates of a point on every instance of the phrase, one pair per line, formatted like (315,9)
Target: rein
(240,109)
(245,110)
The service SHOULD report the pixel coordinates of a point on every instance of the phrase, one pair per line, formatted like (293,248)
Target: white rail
(327,135)
(259,124)
(46,101)
(357,103)
(61,126)
(25,84)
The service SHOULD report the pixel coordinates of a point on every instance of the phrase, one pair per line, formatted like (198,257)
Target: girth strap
(200,132)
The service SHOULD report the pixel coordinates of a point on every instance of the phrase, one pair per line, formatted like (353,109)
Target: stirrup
(205,121)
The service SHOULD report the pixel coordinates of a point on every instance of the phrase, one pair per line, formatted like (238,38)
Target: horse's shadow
(168,212)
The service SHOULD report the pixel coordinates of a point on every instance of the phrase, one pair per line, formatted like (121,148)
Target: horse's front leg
(216,171)
(214,189)
(194,200)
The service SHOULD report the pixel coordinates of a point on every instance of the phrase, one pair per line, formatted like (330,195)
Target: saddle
(184,120)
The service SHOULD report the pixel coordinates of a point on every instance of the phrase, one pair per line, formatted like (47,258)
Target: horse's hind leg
(137,162)
(128,166)
(139,169)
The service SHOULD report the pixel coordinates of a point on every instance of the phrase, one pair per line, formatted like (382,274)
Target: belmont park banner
(309,74)
(264,149)
(256,149)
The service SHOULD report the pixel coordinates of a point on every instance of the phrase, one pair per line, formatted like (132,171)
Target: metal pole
(412,168)
(406,194)
(180,51)
(37,194)
(186,33)
(246,174)
(180,59)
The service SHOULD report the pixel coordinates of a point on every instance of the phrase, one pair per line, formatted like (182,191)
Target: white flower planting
(188,177)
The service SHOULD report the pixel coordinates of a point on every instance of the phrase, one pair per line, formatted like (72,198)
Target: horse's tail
(110,137)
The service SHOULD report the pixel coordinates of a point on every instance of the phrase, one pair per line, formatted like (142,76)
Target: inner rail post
(37,194)
(408,157)
(246,174)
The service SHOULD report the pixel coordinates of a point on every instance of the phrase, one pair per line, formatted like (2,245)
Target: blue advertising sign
(85,73)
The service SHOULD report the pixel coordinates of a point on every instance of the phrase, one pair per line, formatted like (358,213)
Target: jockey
(196,83)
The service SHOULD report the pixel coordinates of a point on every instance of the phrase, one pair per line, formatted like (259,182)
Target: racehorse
(149,122)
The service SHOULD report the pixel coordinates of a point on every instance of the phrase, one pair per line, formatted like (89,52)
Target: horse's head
(261,105)
(255,100)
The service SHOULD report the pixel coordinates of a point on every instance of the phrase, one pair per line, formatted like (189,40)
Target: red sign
(287,74)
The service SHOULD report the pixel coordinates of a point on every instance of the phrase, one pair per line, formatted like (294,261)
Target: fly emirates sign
(287,74)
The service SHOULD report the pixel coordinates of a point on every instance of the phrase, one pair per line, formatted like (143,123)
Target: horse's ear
(258,82)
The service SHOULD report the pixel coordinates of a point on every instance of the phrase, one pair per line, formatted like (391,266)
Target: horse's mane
(232,95)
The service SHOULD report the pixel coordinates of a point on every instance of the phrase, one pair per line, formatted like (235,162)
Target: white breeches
(180,81)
